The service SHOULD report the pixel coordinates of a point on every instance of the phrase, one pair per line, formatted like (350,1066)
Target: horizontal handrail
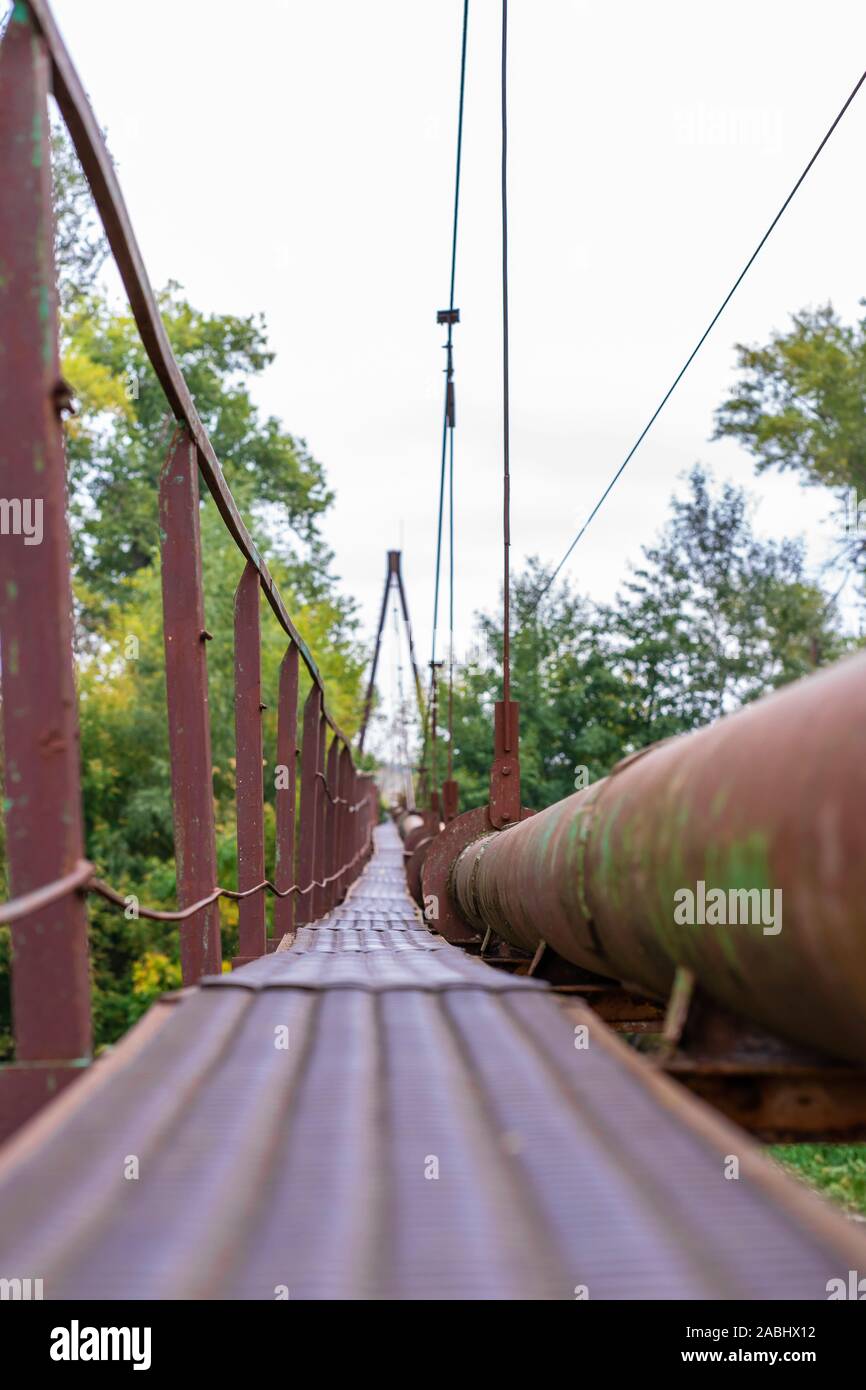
(82,880)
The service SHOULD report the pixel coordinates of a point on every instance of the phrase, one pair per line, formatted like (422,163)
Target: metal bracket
(450,800)
(504,798)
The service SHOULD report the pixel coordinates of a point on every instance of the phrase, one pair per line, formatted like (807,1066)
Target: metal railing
(48,873)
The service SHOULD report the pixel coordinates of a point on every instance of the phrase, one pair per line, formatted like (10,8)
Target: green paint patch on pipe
(583,826)
(665,929)
(719,801)
(550,829)
(667,851)
(742,865)
(36,136)
(680,821)
(605,849)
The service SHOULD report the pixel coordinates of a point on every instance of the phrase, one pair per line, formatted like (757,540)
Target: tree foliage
(710,618)
(116,445)
(798,405)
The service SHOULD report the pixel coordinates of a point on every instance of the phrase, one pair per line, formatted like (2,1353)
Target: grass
(837,1171)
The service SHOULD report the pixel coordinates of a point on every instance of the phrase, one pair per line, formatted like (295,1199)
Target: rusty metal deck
(429,1131)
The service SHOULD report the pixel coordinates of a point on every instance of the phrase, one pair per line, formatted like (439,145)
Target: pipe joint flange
(441,910)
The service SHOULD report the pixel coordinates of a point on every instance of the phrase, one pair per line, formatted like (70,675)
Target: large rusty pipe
(407,822)
(773,799)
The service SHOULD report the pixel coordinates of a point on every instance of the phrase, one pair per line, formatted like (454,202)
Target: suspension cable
(451,612)
(506,475)
(401,717)
(448,317)
(696,349)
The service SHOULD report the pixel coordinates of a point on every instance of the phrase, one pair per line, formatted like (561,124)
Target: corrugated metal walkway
(374,1114)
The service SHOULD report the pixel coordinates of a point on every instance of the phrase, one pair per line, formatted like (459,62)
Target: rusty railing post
(344,837)
(50,984)
(188,715)
(372,812)
(450,800)
(319,894)
(311,789)
(286,784)
(352,823)
(332,823)
(359,801)
(252,935)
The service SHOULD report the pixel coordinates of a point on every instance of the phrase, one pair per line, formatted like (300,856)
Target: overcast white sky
(298,158)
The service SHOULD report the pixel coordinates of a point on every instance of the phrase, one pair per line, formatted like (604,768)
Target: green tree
(116,445)
(571,698)
(713,617)
(80,245)
(800,405)
(118,441)
(710,618)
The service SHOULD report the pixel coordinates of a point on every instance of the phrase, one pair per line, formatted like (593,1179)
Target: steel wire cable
(430,729)
(506,465)
(696,349)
